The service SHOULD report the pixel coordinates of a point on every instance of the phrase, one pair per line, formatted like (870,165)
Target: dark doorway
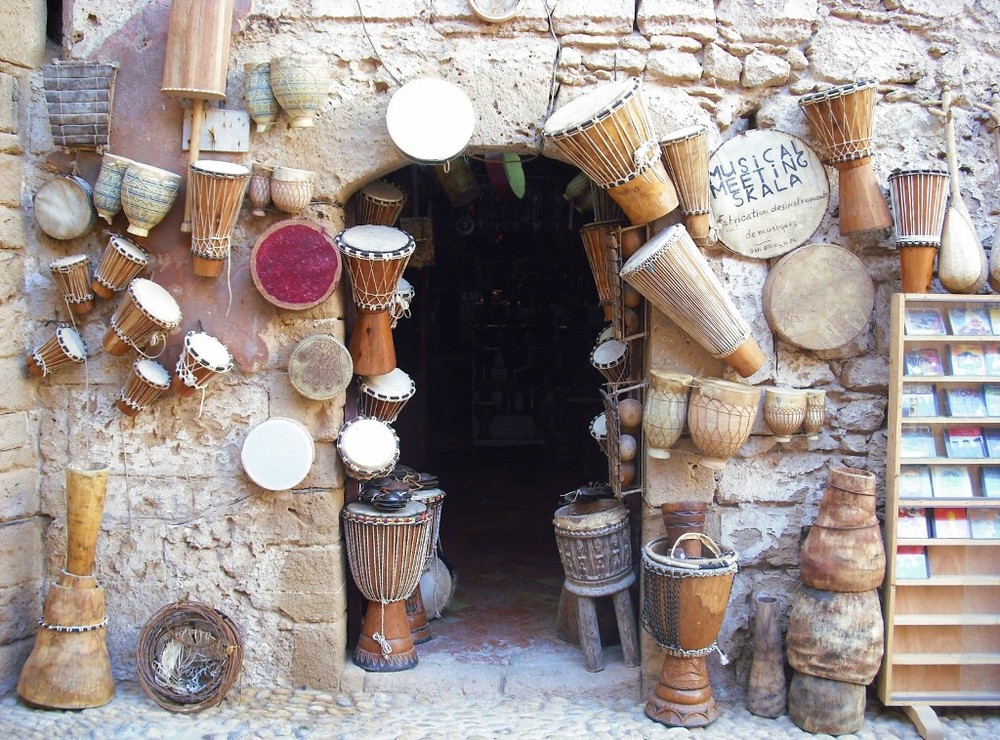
(498,344)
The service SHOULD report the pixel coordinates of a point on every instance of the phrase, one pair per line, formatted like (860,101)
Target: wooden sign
(818,297)
(221,131)
(769,193)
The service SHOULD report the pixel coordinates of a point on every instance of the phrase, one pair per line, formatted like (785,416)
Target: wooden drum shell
(216,196)
(197,55)
(685,154)
(595,546)
(721,415)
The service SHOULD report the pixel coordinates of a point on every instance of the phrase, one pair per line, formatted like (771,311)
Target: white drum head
(599,427)
(63,264)
(609,352)
(436,588)
(360,510)
(278,454)
(588,108)
(380,239)
(218,167)
(129,250)
(403,287)
(367,444)
(393,385)
(153,373)
(63,207)
(156,300)
(209,351)
(607,332)
(430,120)
(663,240)
(683,134)
(72,343)
(290,174)
(381,190)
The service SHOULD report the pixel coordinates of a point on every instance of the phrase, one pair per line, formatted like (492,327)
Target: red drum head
(295,264)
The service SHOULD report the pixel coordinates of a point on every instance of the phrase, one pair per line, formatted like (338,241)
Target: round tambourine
(818,297)
(295,264)
(278,453)
(769,193)
(320,367)
(430,120)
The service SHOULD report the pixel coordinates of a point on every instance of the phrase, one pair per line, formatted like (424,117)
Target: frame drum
(430,120)
(295,264)
(66,345)
(73,276)
(148,381)
(278,453)
(369,448)
(202,358)
(320,367)
(607,134)
(380,203)
(384,396)
(63,207)
(145,315)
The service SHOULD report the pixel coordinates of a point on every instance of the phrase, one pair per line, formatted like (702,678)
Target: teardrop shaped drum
(720,418)
(666,411)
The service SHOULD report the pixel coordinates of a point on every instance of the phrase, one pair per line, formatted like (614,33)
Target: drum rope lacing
(844,131)
(73,628)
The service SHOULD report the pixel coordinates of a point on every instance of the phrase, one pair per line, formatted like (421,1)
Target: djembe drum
(665,412)
(108,188)
(670,272)
(72,274)
(384,396)
(148,381)
(369,448)
(610,359)
(380,203)
(202,358)
(146,314)
(685,154)
(919,201)
(121,262)
(376,257)
(401,301)
(607,134)
(416,613)
(595,237)
(69,667)
(720,418)
(217,190)
(784,411)
(683,607)
(63,347)
(841,119)
(599,431)
(386,551)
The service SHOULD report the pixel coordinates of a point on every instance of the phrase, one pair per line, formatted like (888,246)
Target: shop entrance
(498,344)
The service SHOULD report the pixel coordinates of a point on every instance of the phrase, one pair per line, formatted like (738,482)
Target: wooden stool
(590,635)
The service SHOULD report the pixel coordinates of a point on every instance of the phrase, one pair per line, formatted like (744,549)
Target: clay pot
(836,635)
(784,411)
(822,706)
(815,413)
(720,418)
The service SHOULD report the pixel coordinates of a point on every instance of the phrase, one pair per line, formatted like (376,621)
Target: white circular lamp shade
(278,453)
(430,120)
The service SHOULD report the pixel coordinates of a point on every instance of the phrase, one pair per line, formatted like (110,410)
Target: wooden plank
(221,131)
(933,541)
(950,503)
(989,620)
(946,698)
(951,581)
(946,658)
(926,721)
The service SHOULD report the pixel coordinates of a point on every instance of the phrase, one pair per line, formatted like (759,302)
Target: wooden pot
(843,559)
(849,499)
(823,706)
(836,635)
(766,693)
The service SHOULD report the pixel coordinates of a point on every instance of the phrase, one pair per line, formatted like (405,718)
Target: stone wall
(182,518)
(22,47)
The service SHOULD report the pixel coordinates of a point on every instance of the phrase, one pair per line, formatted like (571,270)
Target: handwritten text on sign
(769,193)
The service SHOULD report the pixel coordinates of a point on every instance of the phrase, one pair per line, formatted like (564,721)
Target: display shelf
(942,632)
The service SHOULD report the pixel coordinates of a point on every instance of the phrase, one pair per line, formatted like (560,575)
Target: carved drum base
(683,695)
(389,622)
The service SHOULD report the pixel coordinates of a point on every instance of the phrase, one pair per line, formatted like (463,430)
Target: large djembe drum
(685,154)
(683,607)
(919,201)
(379,203)
(217,190)
(376,257)
(416,613)
(841,120)
(144,317)
(386,551)
(69,667)
(608,135)
(671,273)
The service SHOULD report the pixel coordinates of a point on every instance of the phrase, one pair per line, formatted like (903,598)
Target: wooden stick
(194,153)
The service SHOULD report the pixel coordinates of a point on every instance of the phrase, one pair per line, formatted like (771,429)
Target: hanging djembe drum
(841,120)
(416,612)
(683,607)
(121,262)
(69,667)
(608,135)
(386,551)
(72,274)
(384,396)
(379,203)
(595,237)
(202,358)
(666,411)
(685,155)
(919,200)
(64,346)
(676,278)
(217,190)
(376,257)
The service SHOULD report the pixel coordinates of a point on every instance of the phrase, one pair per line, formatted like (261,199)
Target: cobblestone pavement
(313,714)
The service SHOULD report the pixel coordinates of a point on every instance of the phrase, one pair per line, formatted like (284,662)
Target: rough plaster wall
(271,560)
